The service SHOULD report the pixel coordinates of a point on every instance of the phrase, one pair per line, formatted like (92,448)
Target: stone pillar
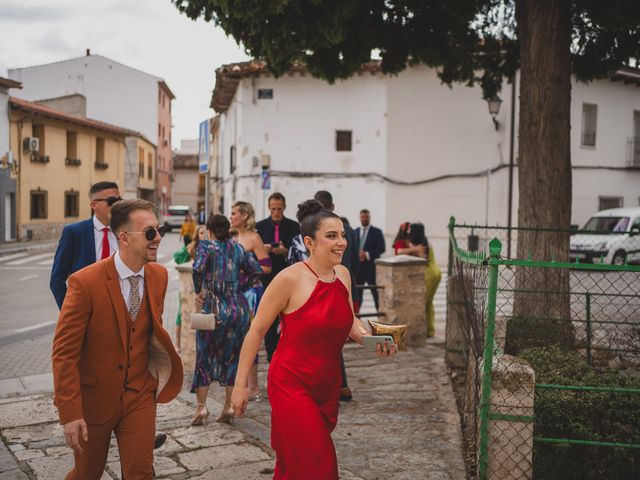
(511,426)
(403,298)
(187,304)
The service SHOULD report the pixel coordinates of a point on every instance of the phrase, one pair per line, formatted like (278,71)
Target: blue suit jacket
(375,245)
(76,250)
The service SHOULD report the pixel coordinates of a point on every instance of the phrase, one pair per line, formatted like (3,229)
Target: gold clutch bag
(396,331)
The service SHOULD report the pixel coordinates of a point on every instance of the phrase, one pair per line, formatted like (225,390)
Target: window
(589,124)
(343,140)
(149,165)
(38,132)
(72,145)
(100,150)
(606,203)
(159,130)
(140,162)
(71,204)
(38,204)
(232,159)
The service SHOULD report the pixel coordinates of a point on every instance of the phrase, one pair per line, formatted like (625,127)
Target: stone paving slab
(401,425)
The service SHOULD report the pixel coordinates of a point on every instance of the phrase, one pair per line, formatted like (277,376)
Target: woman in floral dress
(216,277)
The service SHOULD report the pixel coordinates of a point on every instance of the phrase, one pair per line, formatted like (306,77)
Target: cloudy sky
(150,35)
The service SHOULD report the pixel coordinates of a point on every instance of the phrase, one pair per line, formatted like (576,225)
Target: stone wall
(187,304)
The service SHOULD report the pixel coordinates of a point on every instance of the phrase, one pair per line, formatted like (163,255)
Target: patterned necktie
(134,296)
(105,243)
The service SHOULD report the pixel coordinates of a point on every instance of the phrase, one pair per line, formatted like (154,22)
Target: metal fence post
(495,247)
(588,319)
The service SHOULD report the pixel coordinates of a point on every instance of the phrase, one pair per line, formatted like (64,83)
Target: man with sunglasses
(112,359)
(85,242)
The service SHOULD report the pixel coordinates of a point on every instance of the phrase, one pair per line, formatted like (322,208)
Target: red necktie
(276,234)
(105,244)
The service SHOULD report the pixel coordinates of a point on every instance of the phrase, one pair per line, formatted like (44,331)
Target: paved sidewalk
(401,425)
(15,247)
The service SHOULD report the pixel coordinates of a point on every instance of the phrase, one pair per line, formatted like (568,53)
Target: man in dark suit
(277,234)
(350,259)
(82,243)
(371,246)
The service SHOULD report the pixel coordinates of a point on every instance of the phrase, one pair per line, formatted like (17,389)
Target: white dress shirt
(98,235)
(124,273)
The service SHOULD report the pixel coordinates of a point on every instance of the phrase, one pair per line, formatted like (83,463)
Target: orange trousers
(134,424)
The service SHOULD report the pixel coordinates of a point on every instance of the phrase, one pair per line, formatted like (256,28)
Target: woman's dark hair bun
(219,226)
(306,208)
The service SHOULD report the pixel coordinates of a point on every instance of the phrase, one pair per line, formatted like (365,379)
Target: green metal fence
(578,325)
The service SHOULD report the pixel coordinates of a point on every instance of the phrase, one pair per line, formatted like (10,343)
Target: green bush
(531,332)
(582,415)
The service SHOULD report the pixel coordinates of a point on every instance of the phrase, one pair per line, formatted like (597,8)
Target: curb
(25,247)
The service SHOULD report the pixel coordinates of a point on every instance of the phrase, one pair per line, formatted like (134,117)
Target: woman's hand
(239,400)
(200,301)
(386,350)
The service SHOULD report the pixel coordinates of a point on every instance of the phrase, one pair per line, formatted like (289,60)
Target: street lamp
(494,108)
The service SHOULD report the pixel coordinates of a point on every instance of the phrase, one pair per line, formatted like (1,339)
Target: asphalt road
(28,312)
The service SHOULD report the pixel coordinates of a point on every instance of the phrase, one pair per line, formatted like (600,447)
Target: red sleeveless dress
(304,384)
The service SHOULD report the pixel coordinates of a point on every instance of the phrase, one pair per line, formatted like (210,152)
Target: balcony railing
(633,152)
(72,161)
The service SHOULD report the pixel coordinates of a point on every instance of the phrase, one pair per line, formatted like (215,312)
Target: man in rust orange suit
(112,359)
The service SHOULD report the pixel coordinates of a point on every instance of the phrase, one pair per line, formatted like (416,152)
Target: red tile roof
(39,109)
(228,77)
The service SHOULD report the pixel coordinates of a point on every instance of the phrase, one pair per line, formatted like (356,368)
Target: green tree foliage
(469,41)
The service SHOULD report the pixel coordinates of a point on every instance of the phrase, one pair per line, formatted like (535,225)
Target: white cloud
(150,35)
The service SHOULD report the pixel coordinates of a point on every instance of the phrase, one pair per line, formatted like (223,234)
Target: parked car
(613,235)
(174,216)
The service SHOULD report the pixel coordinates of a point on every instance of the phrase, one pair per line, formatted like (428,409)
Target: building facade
(409,148)
(57,158)
(114,93)
(8,184)
(189,185)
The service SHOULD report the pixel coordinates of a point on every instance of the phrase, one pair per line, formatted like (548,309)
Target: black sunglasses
(110,200)
(150,233)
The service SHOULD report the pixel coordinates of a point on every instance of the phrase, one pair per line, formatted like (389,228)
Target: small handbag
(205,321)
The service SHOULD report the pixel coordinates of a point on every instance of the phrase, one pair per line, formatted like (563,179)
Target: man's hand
(363,255)
(280,249)
(72,432)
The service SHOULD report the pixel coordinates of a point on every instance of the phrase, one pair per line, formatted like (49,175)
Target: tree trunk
(544,162)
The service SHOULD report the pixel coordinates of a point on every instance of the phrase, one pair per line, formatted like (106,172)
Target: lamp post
(494,104)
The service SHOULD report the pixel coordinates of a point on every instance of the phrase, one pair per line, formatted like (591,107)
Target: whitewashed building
(114,93)
(409,148)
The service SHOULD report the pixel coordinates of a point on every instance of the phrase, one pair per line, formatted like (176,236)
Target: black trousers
(368,278)
(271,339)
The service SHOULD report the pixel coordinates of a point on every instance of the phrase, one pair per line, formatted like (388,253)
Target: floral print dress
(216,269)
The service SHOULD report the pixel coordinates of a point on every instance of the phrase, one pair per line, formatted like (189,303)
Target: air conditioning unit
(31,144)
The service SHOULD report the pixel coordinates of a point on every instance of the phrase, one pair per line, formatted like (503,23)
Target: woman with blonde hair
(243,224)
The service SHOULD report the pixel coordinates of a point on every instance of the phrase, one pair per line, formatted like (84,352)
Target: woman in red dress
(314,300)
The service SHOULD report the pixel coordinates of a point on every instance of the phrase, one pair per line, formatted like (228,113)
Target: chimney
(88,52)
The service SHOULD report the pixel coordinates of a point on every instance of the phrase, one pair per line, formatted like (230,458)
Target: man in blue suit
(371,245)
(85,242)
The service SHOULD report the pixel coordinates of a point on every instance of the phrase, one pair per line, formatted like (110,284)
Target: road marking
(28,277)
(27,267)
(48,262)
(11,257)
(30,259)
(34,327)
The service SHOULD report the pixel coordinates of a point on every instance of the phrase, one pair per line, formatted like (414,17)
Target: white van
(613,235)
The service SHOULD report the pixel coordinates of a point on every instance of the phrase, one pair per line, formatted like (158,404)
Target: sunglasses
(150,233)
(110,200)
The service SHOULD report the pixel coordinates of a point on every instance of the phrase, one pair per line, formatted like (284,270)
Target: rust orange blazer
(89,346)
